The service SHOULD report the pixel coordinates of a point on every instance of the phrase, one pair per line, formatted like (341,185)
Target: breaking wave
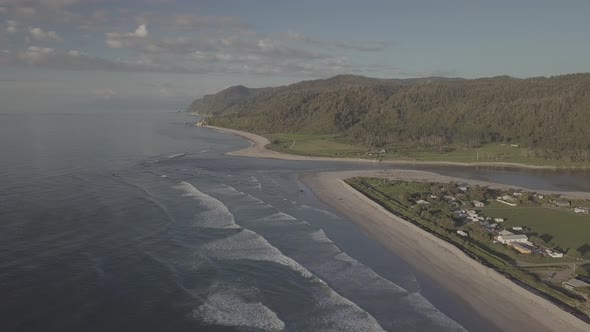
(230,310)
(216,216)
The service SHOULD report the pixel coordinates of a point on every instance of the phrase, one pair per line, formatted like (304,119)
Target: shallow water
(128,221)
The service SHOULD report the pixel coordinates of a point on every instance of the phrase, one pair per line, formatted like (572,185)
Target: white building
(582,210)
(499,219)
(460,232)
(574,283)
(517,228)
(554,253)
(477,204)
(462,188)
(422,202)
(506,237)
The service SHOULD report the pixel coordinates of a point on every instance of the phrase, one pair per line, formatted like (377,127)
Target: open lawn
(314,145)
(566,228)
(336,146)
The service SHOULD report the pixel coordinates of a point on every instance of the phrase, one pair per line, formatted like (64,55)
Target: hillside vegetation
(550,117)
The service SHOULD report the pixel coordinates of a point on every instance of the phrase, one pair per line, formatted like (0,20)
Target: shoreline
(496,298)
(258,149)
(508,305)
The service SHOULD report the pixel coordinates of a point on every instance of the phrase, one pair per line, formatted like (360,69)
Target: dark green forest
(549,116)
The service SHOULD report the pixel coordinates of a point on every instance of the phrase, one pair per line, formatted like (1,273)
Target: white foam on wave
(341,314)
(256,182)
(320,236)
(217,214)
(177,155)
(311,208)
(248,245)
(279,216)
(231,310)
(425,308)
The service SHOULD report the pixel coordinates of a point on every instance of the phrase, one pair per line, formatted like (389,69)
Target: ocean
(113,221)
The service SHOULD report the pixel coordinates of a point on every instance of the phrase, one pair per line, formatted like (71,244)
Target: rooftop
(577,283)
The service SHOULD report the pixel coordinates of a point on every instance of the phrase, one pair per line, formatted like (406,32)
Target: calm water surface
(137,221)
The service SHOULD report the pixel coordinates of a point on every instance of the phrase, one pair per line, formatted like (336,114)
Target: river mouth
(165,231)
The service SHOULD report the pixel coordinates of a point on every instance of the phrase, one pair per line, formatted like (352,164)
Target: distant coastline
(510,306)
(259,150)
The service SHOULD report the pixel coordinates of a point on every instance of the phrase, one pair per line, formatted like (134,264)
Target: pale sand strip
(258,149)
(509,306)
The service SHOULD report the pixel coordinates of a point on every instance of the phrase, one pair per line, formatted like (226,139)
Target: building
(554,253)
(517,228)
(517,194)
(477,204)
(450,198)
(499,199)
(506,237)
(574,283)
(562,203)
(507,198)
(499,219)
(522,248)
(422,202)
(462,188)
(583,210)
(462,233)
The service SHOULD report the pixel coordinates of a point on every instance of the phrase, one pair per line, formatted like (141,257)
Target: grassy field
(335,146)
(568,229)
(314,145)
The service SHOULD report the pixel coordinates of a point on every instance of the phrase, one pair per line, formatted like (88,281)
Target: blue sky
(177,50)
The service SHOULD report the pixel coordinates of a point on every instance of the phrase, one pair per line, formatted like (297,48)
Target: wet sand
(509,306)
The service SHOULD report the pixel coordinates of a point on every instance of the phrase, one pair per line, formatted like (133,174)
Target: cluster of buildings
(518,242)
(521,243)
(488,224)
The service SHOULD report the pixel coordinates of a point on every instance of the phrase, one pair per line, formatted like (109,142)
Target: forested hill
(551,116)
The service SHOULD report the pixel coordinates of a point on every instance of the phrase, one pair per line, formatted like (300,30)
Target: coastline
(505,303)
(258,150)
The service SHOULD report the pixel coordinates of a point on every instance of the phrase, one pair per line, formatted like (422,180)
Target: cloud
(58,3)
(105,94)
(42,35)
(119,40)
(190,21)
(11,26)
(36,56)
(366,46)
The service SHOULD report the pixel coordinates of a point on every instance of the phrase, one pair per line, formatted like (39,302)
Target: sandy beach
(509,306)
(258,150)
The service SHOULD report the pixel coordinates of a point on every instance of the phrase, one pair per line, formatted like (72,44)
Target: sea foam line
(217,214)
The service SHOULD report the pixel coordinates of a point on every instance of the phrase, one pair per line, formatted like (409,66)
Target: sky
(168,52)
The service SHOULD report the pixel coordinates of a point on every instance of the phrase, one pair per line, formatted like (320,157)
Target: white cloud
(34,54)
(11,26)
(141,32)
(367,46)
(42,35)
(106,94)
(58,3)
(119,40)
